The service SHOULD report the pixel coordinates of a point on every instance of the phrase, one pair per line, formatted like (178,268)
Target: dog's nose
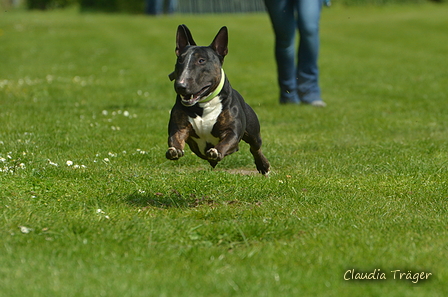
(181,87)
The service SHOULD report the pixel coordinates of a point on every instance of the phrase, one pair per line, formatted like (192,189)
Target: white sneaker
(318,103)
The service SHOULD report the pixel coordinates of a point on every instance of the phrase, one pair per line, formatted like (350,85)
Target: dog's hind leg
(253,138)
(261,162)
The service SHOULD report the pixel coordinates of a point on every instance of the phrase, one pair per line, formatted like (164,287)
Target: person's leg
(308,16)
(154,7)
(281,13)
(171,6)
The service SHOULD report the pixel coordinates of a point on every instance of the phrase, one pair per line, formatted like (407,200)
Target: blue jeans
(156,7)
(298,82)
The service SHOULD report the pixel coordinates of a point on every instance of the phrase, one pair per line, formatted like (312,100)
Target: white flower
(25,230)
(2,159)
(106,160)
(69,163)
(126,113)
(52,163)
(100,211)
(104,112)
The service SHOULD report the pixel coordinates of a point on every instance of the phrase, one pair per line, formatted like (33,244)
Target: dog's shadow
(174,199)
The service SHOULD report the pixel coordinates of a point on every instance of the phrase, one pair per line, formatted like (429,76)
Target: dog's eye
(201,61)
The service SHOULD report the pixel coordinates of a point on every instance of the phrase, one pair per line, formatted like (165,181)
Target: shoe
(318,103)
(312,99)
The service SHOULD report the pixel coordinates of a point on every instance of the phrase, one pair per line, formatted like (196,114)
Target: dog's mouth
(191,99)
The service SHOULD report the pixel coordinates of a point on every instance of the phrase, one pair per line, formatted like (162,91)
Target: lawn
(89,205)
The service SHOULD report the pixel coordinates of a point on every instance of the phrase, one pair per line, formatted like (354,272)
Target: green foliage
(49,4)
(99,5)
(128,6)
(378,2)
(89,206)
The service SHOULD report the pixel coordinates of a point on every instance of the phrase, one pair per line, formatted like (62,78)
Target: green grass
(361,184)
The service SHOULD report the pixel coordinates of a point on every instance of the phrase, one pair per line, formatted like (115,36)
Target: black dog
(208,114)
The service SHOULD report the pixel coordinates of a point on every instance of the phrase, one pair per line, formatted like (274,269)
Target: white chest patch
(203,125)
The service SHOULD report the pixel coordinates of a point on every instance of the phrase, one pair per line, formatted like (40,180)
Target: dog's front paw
(213,154)
(173,153)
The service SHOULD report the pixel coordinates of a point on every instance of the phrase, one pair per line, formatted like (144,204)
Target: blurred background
(156,7)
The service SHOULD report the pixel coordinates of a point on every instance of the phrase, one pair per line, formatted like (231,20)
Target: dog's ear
(219,44)
(183,39)
(172,76)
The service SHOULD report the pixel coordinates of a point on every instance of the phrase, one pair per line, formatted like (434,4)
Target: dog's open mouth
(191,99)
